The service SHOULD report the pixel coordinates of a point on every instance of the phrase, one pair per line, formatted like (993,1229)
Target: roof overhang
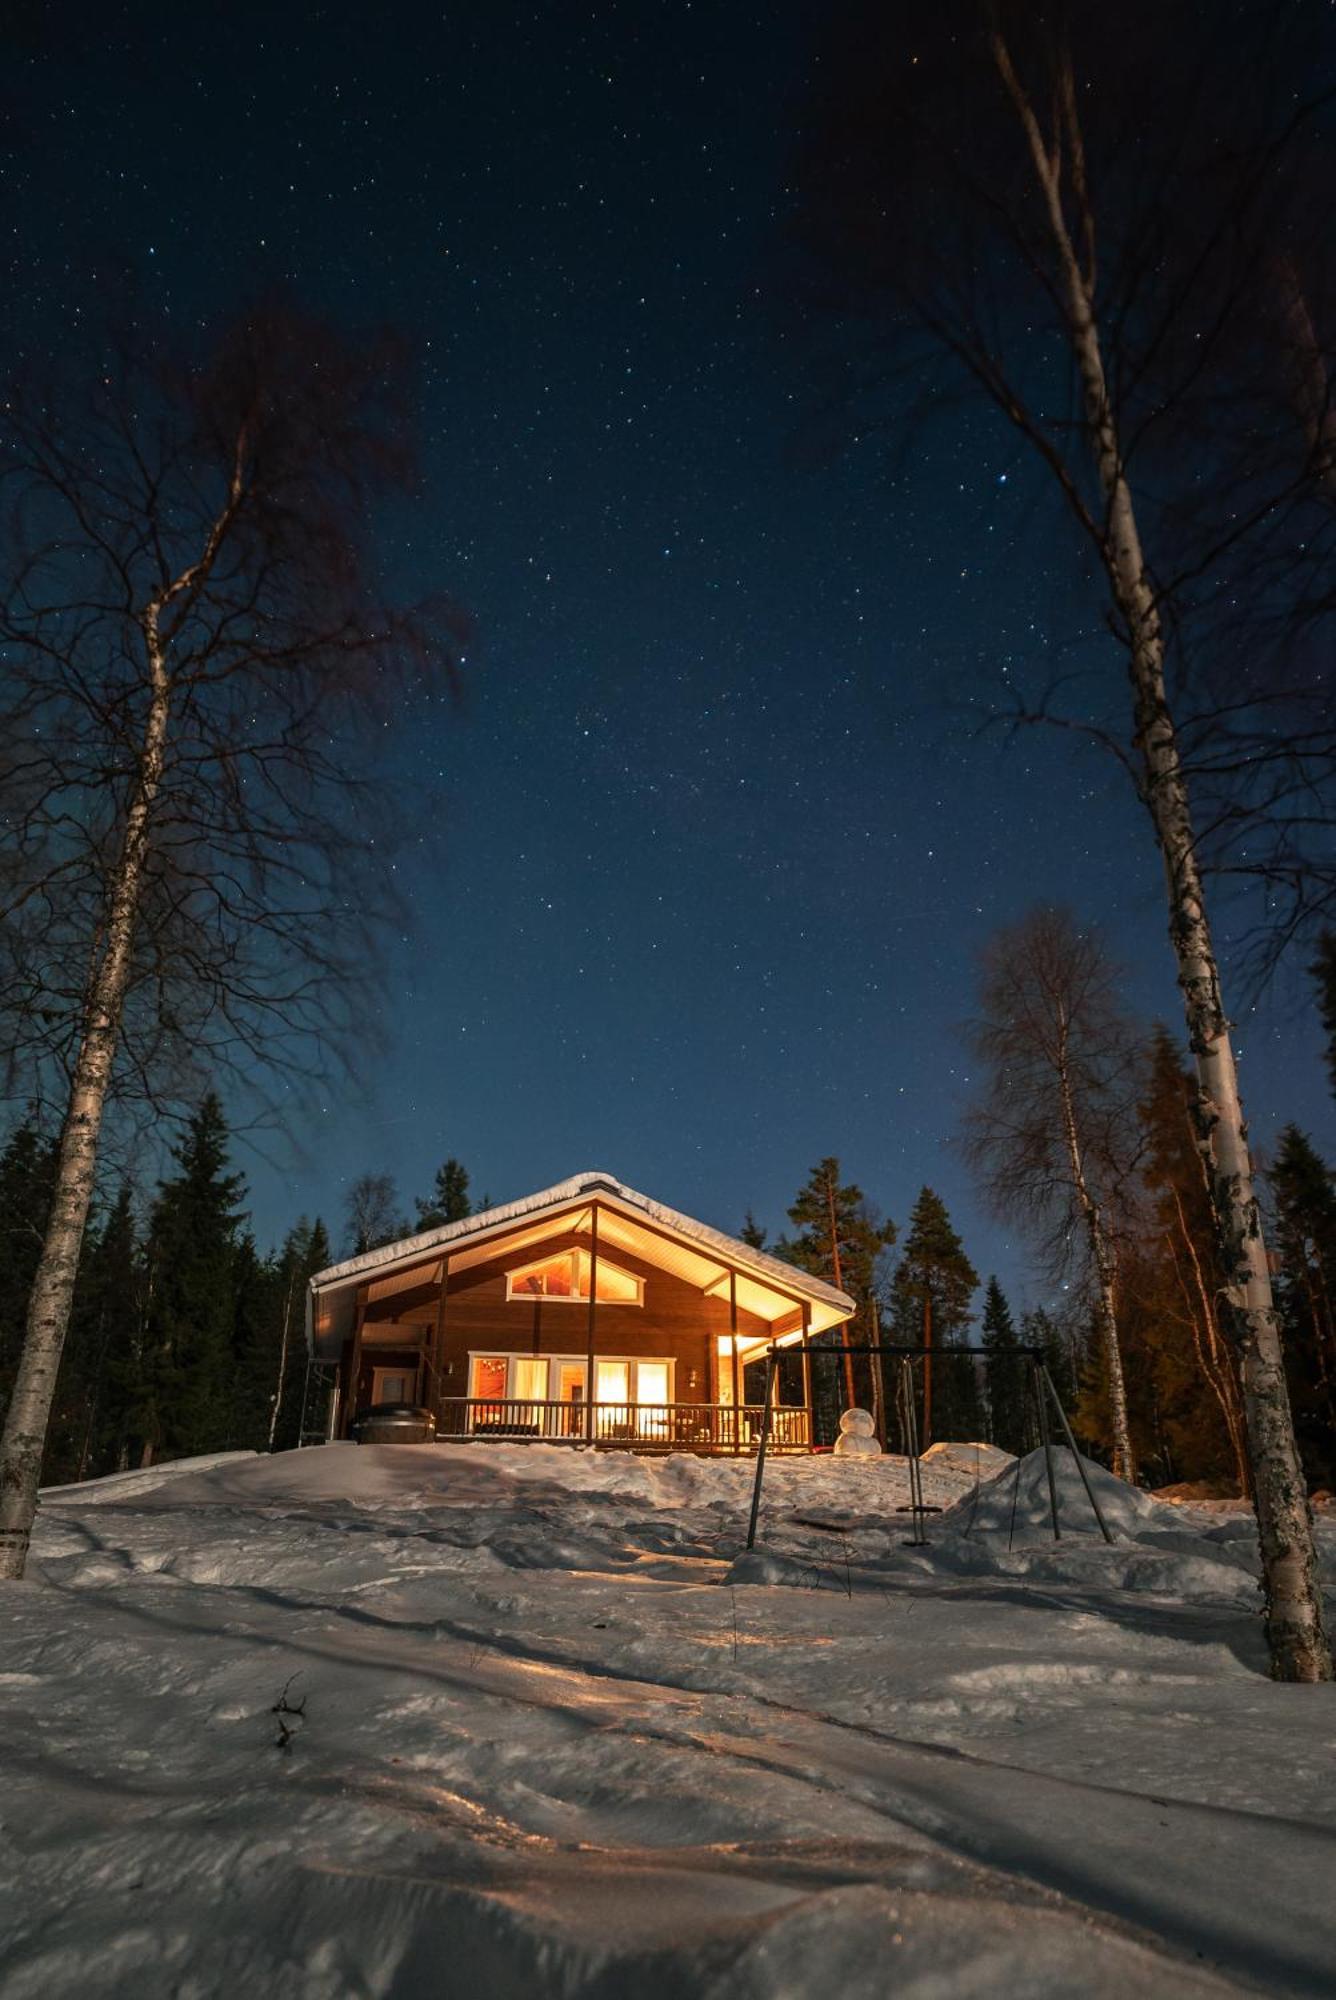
(705,1258)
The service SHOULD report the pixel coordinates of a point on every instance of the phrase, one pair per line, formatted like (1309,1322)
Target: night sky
(718,836)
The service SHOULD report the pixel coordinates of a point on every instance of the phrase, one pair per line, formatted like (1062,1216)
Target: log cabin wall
(675,1322)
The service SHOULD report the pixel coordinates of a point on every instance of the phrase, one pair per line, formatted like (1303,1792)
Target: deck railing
(633,1426)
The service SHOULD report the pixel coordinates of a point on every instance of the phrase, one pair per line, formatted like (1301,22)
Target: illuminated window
(613,1381)
(530,1379)
(490,1372)
(567,1277)
(652,1383)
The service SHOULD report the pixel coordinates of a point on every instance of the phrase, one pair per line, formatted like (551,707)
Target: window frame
(571,1298)
(555,1362)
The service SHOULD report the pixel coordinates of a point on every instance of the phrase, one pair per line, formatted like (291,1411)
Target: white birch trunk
(29,1412)
(53,1287)
(1298,1642)
(1102,1261)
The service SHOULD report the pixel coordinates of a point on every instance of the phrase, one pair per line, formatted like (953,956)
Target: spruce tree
(189,1400)
(1305,1201)
(101,1342)
(257,1304)
(1323,970)
(841,1237)
(27,1168)
(114,1310)
(751,1232)
(934,1284)
(449,1198)
(1004,1372)
(305,1251)
(1187,1405)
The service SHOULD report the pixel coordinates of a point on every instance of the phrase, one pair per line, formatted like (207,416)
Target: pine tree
(751,1232)
(1323,970)
(27,1168)
(1004,1372)
(189,1400)
(1070,1343)
(934,1284)
(1171,1281)
(101,1344)
(841,1239)
(257,1307)
(305,1251)
(449,1198)
(1305,1200)
(114,1294)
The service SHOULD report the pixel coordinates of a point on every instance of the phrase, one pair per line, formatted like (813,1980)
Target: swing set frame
(1041,1387)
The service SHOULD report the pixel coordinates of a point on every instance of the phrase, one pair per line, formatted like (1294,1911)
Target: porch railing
(635,1426)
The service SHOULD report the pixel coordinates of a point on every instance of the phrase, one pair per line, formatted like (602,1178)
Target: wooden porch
(586,1314)
(704,1428)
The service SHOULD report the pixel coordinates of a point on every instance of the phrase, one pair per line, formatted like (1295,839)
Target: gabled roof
(627,1219)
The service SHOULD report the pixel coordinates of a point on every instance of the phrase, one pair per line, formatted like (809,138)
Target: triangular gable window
(567,1277)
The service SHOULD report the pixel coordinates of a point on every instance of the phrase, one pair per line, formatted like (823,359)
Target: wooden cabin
(586,1313)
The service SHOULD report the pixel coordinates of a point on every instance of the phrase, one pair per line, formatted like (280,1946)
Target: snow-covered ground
(563,1735)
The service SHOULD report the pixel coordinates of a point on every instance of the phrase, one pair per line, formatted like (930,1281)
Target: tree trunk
(877,1379)
(1215,1365)
(1102,1260)
(926,1439)
(837,1279)
(1298,1642)
(53,1287)
(282,1364)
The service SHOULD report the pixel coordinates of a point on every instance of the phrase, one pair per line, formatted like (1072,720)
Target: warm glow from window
(567,1277)
(652,1383)
(531,1378)
(489,1375)
(613,1381)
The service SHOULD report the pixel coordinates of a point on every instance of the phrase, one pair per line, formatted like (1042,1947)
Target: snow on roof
(580,1187)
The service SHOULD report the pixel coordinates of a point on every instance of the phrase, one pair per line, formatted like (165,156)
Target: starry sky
(716,833)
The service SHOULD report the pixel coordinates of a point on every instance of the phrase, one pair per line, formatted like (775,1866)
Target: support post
(589,1338)
(770,1368)
(807,1376)
(1046,1444)
(918,1522)
(355,1363)
(306,1400)
(1048,1382)
(438,1339)
(737,1370)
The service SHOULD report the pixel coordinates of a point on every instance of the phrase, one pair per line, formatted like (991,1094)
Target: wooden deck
(699,1427)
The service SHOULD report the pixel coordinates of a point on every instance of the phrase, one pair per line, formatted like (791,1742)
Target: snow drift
(559,1736)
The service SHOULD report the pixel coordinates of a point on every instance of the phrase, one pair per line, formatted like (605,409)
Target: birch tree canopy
(1100,222)
(238,482)
(197,653)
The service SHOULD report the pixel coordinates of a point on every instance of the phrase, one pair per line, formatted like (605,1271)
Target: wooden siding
(675,1322)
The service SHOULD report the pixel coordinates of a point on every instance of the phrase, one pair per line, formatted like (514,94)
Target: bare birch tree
(1052,1132)
(195,657)
(957,209)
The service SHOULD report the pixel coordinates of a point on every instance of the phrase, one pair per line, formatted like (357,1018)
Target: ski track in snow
(563,1735)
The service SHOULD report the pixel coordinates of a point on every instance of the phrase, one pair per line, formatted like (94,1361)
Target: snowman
(858,1435)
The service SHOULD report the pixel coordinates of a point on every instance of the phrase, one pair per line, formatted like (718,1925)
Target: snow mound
(550,1733)
(1021,1493)
(115,1487)
(983,1460)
